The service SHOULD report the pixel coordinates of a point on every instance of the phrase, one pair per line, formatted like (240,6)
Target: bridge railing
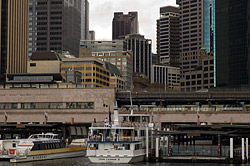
(185,109)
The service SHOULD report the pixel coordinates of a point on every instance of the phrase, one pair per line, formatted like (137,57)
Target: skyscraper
(232,43)
(168,36)
(55,25)
(191,19)
(142,53)
(125,24)
(209,26)
(14,37)
(84,20)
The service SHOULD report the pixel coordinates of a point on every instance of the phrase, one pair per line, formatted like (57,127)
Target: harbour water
(83,161)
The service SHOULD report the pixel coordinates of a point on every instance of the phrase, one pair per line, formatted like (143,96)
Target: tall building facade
(142,53)
(84,20)
(203,77)
(93,71)
(232,43)
(192,22)
(167,75)
(55,25)
(91,35)
(209,26)
(14,37)
(168,36)
(124,24)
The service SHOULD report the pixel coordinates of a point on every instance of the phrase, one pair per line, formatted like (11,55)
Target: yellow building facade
(93,71)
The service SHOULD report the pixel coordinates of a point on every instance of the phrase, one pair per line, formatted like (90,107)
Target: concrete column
(247,149)
(242,149)
(147,142)
(231,148)
(157,149)
(164,139)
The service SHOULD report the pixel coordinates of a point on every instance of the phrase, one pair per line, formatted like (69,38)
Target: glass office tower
(232,43)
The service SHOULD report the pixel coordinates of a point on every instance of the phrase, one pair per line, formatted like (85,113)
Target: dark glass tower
(125,24)
(232,43)
(55,25)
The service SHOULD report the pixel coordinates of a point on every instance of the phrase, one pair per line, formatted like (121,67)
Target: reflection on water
(83,161)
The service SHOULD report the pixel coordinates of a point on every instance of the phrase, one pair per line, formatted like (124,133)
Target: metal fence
(198,150)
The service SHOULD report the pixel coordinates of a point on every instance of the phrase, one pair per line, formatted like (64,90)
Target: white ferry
(40,147)
(120,142)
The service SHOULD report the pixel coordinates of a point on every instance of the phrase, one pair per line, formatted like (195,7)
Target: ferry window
(127,146)
(42,146)
(53,146)
(137,146)
(142,133)
(96,146)
(14,145)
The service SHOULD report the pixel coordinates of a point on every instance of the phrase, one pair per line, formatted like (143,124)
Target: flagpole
(5,118)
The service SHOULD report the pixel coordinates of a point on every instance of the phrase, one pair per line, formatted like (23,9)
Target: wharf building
(124,24)
(28,105)
(14,37)
(167,76)
(113,52)
(55,25)
(232,44)
(168,36)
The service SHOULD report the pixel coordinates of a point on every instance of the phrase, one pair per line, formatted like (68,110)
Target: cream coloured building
(28,105)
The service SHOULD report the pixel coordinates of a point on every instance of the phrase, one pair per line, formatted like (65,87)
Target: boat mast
(131,103)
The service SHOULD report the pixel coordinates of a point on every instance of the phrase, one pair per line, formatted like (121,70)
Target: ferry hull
(117,160)
(49,156)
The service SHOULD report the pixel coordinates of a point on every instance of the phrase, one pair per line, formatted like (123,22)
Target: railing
(111,138)
(120,124)
(198,150)
(182,109)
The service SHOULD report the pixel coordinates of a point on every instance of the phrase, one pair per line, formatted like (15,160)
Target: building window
(32,64)
(85,105)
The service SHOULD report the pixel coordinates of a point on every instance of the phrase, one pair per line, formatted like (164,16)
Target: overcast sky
(102,12)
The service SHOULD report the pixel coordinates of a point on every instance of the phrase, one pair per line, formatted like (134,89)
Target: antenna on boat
(116,114)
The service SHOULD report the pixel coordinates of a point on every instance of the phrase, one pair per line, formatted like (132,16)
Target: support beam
(231,148)
(157,149)
(242,150)
(247,149)
(147,143)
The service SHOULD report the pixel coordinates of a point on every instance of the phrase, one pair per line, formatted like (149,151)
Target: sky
(101,13)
